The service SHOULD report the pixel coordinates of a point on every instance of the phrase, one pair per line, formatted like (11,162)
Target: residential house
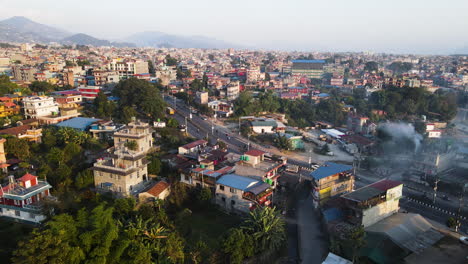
(158,191)
(28,132)
(193,147)
(239,194)
(372,203)
(330,180)
(137,131)
(255,164)
(22,198)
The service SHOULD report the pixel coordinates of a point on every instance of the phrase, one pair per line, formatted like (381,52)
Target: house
(241,194)
(372,203)
(103,129)
(193,147)
(294,140)
(22,199)
(254,164)
(137,131)
(28,132)
(329,180)
(158,191)
(39,106)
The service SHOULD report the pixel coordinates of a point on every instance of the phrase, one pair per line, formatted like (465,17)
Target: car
(204,118)
(464,240)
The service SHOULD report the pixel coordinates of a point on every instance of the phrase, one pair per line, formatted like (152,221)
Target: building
(239,194)
(202,97)
(104,129)
(370,204)
(40,106)
(329,180)
(232,91)
(127,68)
(89,92)
(22,198)
(79,123)
(66,97)
(137,131)
(222,109)
(311,68)
(158,191)
(28,132)
(257,165)
(356,122)
(124,172)
(202,177)
(9,109)
(23,73)
(193,147)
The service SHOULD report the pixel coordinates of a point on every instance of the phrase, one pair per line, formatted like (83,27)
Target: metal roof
(79,123)
(329,169)
(259,188)
(237,182)
(308,61)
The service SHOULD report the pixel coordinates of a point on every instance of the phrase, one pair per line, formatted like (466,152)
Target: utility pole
(310,158)
(186,127)
(239,127)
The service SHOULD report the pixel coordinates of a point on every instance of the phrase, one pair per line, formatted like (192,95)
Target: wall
(383,210)
(240,203)
(26,216)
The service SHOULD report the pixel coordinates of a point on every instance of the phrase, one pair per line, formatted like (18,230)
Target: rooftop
(308,61)
(329,169)
(79,123)
(254,152)
(194,144)
(237,182)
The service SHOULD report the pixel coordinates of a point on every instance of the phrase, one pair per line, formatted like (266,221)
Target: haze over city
(423,27)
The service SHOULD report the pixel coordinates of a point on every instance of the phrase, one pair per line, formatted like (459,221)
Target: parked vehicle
(170,111)
(464,240)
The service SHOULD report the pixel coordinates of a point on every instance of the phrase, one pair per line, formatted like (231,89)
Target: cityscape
(130,145)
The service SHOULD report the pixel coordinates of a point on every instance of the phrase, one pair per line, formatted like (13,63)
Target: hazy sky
(423,26)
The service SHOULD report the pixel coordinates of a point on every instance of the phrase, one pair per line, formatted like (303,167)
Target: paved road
(313,246)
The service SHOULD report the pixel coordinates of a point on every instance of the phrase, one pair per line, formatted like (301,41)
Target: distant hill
(21,29)
(160,40)
(83,39)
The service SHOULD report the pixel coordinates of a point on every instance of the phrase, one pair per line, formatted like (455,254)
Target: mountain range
(22,29)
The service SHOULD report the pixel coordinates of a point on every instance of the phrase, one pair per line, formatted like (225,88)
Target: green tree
(266,227)
(82,63)
(132,145)
(356,238)
(244,106)
(84,179)
(267,77)
(155,166)
(175,248)
(171,61)
(44,87)
(282,142)
(18,148)
(151,68)
(371,66)
(238,245)
(103,108)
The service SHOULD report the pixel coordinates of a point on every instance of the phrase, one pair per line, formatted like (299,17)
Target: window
(186,178)
(17,213)
(31,215)
(223,199)
(221,187)
(233,202)
(232,190)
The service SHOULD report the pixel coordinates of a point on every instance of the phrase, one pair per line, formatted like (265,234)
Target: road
(200,128)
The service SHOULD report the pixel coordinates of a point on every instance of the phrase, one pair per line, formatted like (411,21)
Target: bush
(451,222)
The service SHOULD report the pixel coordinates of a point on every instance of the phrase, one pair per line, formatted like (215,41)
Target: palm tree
(267,228)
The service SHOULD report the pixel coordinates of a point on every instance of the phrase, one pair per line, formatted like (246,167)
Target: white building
(127,67)
(38,106)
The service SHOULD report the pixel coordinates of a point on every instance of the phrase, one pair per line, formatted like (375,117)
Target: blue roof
(237,182)
(79,123)
(329,169)
(323,95)
(308,61)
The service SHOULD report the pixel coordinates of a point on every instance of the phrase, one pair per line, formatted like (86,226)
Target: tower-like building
(124,171)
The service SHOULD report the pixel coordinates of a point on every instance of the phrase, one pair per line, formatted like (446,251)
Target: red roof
(255,152)
(158,188)
(9,104)
(27,177)
(385,184)
(194,144)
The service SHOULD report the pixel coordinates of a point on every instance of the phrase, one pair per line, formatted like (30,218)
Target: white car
(464,240)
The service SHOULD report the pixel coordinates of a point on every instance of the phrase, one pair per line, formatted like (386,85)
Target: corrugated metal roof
(329,169)
(259,188)
(236,181)
(80,123)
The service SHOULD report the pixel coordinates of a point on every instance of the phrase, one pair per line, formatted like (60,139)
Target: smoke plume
(399,137)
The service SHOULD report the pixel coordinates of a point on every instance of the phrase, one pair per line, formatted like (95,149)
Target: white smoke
(402,131)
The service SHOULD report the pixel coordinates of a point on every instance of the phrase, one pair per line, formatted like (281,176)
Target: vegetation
(171,61)
(132,145)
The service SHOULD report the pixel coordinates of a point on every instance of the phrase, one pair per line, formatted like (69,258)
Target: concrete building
(232,91)
(127,68)
(137,131)
(89,92)
(370,204)
(311,68)
(39,106)
(239,194)
(158,191)
(23,73)
(329,180)
(255,164)
(193,147)
(202,97)
(22,198)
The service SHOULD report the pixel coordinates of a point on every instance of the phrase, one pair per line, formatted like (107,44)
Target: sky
(398,26)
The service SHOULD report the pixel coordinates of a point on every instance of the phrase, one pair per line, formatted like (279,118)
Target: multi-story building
(311,68)
(232,91)
(370,204)
(241,194)
(38,106)
(127,68)
(66,97)
(89,92)
(193,147)
(137,131)
(22,198)
(28,132)
(331,180)
(201,177)
(23,73)
(202,97)
(254,164)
